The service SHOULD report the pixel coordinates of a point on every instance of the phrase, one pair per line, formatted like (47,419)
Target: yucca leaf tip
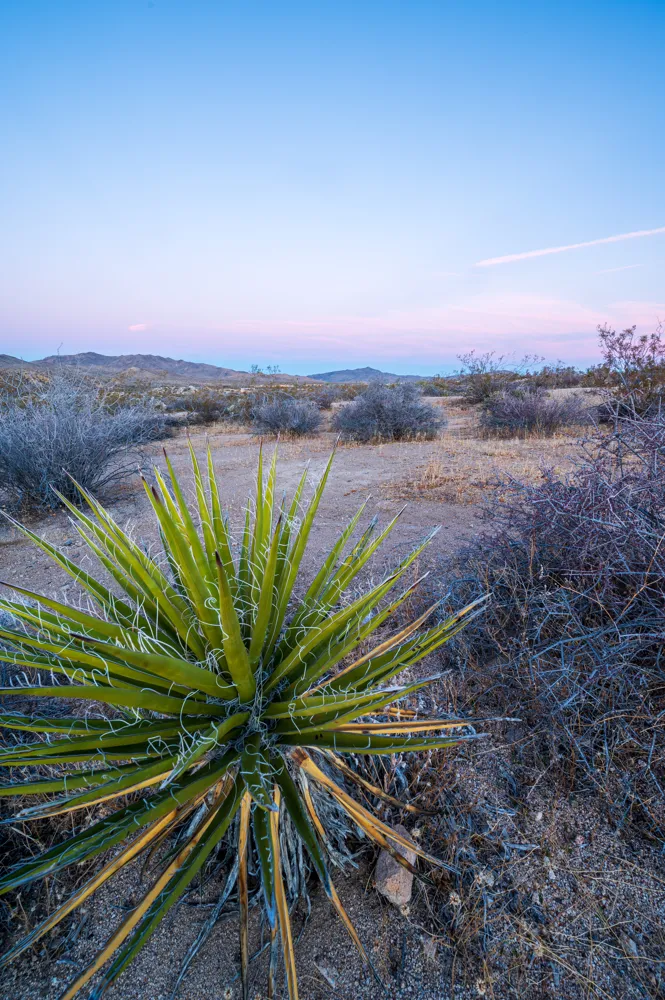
(220,689)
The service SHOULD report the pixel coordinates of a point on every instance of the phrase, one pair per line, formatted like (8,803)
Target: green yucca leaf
(208,679)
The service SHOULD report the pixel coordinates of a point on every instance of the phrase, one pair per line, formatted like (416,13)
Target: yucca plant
(227,698)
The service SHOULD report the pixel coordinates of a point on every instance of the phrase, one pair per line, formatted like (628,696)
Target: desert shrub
(294,417)
(574,641)
(237,407)
(482,375)
(388,413)
(324,397)
(232,710)
(633,367)
(204,406)
(556,376)
(65,430)
(435,387)
(525,410)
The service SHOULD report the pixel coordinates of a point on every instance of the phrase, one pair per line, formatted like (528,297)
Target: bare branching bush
(388,413)
(64,430)
(574,642)
(292,417)
(556,376)
(481,375)
(527,410)
(633,367)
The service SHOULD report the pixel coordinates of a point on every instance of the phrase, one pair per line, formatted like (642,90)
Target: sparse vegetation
(66,428)
(553,830)
(292,417)
(383,413)
(528,410)
(482,375)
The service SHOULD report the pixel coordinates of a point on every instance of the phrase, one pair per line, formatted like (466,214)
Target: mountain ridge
(366,374)
(143,362)
(156,366)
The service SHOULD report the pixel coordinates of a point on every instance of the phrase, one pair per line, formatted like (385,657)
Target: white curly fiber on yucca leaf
(221,685)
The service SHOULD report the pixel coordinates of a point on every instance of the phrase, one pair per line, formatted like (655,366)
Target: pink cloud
(137,327)
(548,326)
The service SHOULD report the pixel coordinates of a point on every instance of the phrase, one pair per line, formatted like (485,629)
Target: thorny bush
(574,643)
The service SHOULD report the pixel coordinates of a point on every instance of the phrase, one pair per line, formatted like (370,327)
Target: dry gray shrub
(527,410)
(388,413)
(292,417)
(66,428)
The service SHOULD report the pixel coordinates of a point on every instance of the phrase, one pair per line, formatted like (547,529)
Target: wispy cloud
(137,327)
(553,327)
(491,261)
(613,270)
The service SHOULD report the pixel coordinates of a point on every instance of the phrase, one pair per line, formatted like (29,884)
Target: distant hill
(148,367)
(364,375)
(151,363)
(157,368)
(8,361)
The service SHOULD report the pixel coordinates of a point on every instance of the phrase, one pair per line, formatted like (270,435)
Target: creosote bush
(62,431)
(525,410)
(388,413)
(292,417)
(230,707)
(482,375)
(633,367)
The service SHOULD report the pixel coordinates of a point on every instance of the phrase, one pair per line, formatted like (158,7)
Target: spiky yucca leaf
(220,684)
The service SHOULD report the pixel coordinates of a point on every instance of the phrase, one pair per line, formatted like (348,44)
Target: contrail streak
(491,261)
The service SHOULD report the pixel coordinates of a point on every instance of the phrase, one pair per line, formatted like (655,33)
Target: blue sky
(314,185)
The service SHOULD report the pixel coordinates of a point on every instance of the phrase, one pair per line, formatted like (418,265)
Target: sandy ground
(327,963)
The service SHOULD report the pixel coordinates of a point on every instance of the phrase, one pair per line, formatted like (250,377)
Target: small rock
(429,948)
(390,878)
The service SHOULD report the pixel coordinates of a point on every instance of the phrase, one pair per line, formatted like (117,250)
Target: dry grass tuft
(464,465)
